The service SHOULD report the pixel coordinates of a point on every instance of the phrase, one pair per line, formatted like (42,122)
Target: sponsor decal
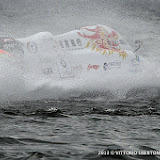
(63,63)
(103,41)
(79,43)
(64,68)
(95,67)
(47,71)
(66,43)
(32,47)
(55,45)
(78,67)
(105,66)
(111,65)
(72,43)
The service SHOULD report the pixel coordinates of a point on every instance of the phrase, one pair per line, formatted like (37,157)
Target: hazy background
(134,19)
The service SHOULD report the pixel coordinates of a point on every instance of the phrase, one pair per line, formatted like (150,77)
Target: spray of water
(15,84)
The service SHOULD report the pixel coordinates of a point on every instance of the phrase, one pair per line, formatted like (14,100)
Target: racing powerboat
(91,49)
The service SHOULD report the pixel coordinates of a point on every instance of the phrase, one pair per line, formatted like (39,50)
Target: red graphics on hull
(103,41)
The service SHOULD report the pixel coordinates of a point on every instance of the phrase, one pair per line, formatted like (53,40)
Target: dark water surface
(78,128)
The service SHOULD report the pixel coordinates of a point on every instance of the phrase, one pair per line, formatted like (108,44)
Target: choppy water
(78,128)
(77,120)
